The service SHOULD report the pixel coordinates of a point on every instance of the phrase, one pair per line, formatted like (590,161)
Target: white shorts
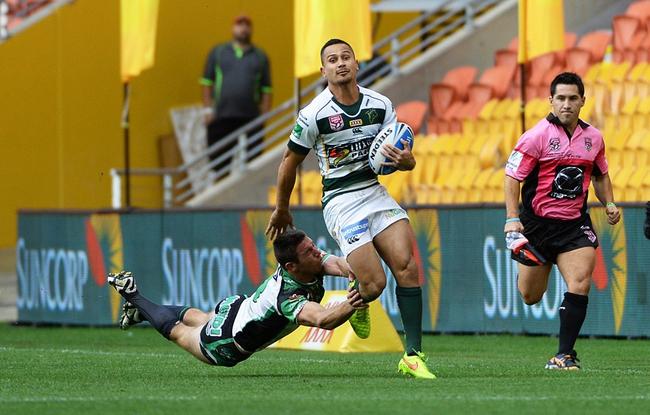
(354,219)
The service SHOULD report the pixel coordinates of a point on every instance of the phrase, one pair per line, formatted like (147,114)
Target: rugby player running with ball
(368,225)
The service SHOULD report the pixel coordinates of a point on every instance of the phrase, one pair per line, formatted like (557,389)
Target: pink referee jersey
(556,170)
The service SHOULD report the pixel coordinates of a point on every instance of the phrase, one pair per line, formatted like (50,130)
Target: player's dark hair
(285,246)
(568,78)
(333,42)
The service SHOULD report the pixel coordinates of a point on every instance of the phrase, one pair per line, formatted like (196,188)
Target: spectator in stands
(236,86)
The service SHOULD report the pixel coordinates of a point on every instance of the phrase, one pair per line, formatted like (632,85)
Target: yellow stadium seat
(434,195)
(634,189)
(619,138)
(487,111)
(629,158)
(630,85)
(496,183)
(641,119)
(592,73)
(645,186)
(491,154)
(621,180)
(479,186)
(614,157)
(616,78)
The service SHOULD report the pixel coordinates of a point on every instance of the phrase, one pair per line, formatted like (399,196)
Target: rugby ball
(393,134)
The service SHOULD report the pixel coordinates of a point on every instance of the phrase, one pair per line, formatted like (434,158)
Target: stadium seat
(589,50)
(459,79)
(412,113)
(632,80)
(627,33)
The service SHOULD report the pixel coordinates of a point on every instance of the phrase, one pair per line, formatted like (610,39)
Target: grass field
(107,371)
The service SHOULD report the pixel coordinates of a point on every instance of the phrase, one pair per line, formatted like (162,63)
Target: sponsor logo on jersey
(354,229)
(348,153)
(297,131)
(567,183)
(588,144)
(357,130)
(336,122)
(554,144)
(394,212)
(352,240)
(514,160)
(588,233)
(356,123)
(372,116)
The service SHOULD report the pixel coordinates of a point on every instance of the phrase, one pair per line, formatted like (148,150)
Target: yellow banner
(317,21)
(541,28)
(138,34)
(383,337)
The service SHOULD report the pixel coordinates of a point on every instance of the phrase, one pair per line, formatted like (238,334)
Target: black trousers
(220,128)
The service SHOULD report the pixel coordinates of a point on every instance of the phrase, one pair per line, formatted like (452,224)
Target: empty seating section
(472,120)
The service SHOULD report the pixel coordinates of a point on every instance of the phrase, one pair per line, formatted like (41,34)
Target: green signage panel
(197,258)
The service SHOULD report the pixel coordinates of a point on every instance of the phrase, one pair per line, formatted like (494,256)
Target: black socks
(162,318)
(573,311)
(409,301)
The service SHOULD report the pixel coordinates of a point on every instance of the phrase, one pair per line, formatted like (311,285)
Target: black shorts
(217,342)
(552,237)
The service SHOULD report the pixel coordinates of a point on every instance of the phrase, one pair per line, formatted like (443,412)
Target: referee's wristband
(510,220)
(610,204)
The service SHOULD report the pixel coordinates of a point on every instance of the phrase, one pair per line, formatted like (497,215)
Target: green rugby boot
(360,320)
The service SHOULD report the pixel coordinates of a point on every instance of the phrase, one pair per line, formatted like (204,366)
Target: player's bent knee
(579,286)
(372,290)
(531,298)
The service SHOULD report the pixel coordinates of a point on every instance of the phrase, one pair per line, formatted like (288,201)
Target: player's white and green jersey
(272,311)
(340,136)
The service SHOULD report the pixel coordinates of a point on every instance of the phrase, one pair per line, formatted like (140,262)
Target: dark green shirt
(239,78)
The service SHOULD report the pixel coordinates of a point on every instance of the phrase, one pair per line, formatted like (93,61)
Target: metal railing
(30,14)
(391,54)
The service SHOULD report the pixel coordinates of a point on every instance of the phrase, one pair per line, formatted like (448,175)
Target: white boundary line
(350,398)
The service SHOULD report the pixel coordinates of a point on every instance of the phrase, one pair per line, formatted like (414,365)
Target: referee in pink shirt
(556,160)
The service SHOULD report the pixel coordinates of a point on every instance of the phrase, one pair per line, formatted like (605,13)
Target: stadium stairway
(474,47)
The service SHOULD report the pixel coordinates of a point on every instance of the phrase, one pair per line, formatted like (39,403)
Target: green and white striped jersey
(341,136)
(272,311)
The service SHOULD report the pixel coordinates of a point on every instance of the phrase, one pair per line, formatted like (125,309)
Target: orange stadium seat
(590,49)
(627,36)
(412,113)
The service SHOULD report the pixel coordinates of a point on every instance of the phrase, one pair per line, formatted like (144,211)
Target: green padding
(197,258)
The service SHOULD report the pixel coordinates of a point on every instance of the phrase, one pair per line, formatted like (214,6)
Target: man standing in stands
(556,160)
(236,87)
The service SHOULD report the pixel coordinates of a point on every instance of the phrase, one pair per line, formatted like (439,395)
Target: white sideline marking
(148,354)
(464,398)
(82,351)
